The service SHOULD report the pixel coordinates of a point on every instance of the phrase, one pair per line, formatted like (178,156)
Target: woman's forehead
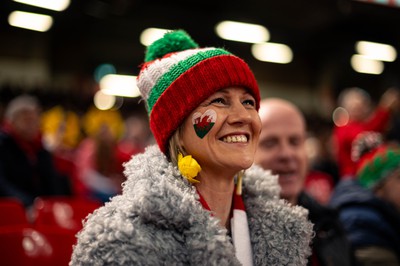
(229,90)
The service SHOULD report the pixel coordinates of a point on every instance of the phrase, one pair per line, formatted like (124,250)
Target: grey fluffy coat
(158,220)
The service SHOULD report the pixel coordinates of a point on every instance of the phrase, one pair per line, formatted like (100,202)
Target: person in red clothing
(136,137)
(98,167)
(359,115)
(27,168)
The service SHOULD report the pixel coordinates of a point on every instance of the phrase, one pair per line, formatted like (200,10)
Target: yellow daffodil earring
(188,167)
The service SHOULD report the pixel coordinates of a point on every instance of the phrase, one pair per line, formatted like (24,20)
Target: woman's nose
(239,114)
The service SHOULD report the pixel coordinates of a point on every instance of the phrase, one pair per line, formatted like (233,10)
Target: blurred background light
(30,21)
(340,117)
(56,5)
(148,36)
(363,64)
(272,52)
(103,101)
(377,51)
(119,85)
(103,70)
(242,32)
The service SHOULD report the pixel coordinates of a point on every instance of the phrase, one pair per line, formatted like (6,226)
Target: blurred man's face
(27,123)
(357,105)
(282,149)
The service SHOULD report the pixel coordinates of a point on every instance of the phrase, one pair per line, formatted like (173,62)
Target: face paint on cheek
(204,122)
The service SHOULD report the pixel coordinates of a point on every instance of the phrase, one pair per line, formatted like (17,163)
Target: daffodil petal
(188,167)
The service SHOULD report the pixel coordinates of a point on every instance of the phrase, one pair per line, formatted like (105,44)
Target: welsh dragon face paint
(204,122)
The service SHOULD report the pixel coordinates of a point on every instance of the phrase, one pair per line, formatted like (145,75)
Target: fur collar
(157,199)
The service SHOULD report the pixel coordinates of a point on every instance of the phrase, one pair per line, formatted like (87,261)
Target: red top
(344,136)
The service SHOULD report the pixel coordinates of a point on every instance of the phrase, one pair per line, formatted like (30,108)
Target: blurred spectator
(98,164)
(319,184)
(359,116)
(61,135)
(136,137)
(61,129)
(393,133)
(323,158)
(370,205)
(282,149)
(26,168)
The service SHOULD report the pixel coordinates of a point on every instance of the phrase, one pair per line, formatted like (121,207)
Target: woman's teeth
(235,139)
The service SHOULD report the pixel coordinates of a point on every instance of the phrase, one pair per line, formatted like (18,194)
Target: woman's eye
(217,100)
(249,102)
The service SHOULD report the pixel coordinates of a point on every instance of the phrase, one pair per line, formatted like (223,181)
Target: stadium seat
(12,212)
(64,212)
(22,246)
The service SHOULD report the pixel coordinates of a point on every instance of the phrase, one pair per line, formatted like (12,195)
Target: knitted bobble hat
(178,75)
(376,160)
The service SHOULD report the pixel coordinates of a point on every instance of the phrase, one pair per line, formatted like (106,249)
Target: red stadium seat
(12,212)
(64,212)
(21,246)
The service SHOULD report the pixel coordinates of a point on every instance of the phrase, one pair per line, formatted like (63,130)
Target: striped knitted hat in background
(178,75)
(376,160)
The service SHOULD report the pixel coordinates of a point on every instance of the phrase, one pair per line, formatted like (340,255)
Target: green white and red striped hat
(178,75)
(375,159)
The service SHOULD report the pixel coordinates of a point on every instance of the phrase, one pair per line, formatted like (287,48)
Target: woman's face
(222,132)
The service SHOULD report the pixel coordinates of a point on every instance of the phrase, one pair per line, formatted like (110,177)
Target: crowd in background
(57,151)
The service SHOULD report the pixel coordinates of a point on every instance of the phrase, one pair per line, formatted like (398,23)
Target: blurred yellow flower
(94,119)
(188,167)
(61,127)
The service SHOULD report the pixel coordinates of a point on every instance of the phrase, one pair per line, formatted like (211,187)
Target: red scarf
(239,227)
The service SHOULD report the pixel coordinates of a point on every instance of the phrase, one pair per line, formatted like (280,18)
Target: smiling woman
(235,131)
(195,197)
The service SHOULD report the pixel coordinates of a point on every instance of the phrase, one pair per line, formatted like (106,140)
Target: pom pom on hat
(172,42)
(178,75)
(376,160)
